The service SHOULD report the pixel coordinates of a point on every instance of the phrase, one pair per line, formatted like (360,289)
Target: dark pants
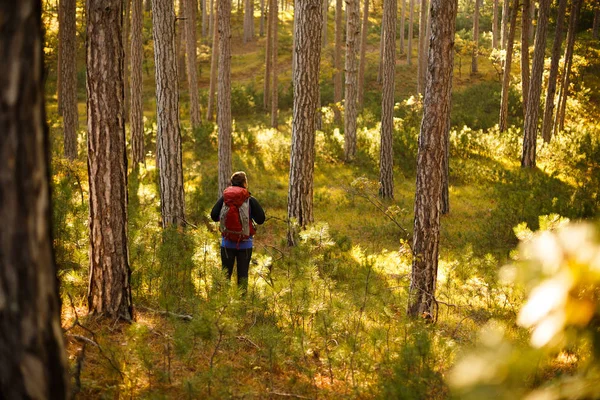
(243,256)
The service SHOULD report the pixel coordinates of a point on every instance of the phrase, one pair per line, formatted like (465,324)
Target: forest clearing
(436,237)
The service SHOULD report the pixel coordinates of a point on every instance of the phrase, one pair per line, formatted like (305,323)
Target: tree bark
(351,84)
(274,95)
(136,120)
(504,26)
(422,66)
(34,363)
(564,91)
(363,53)
(127,55)
(386,152)
(411,14)
(402,19)
(495,25)
(210,112)
(192,70)
(307,55)
(168,136)
(180,40)
(436,110)
(248,21)
(474,66)
(109,293)
(507,66)
(548,121)
(68,81)
(445,198)
(535,88)
(525,28)
(224,93)
(268,59)
(531,19)
(337,61)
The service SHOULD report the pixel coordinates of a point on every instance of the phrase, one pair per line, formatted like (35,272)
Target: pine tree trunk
(402,19)
(422,66)
(553,75)
(168,136)
(61,24)
(324,33)
(531,19)
(148,5)
(564,91)
(337,61)
(474,66)
(445,199)
(535,88)
(274,96)
(34,362)
(495,25)
(507,66)
(596,25)
(351,84)
(307,50)
(204,21)
(525,28)
(386,153)
(411,14)
(434,127)
(68,79)
(213,68)
(137,106)
(109,293)
(363,53)
(380,71)
(212,20)
(268,59)
(248,21)
(126,59)
(224,93)
(262,18)
(180,40)
(192,69)
(504,27)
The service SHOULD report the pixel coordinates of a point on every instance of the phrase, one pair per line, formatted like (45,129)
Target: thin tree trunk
(274,96)
(363,53)
(192,70)
(337,61)
(224,93)
(436,110)
(248,21)
(168,136)
(553,75)
(68,79)
(532,18)
(109,293)
(351,84)
(535,88)
(525,28)
(268,59)
(126,59)
(564,91)
(380,71)
(386,153)
(504,26)
(34,362)
(507,67)
(474,66)
(307,50)
(213,68)
(495,25)
(422,66)
(148,5)
(61,24)
(212,21)
(324,33)
(137,111)
(180,32)
(205,17)
(411,14)
(262,18)
(402,19)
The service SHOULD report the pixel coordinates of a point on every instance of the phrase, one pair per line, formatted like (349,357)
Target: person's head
(239,179)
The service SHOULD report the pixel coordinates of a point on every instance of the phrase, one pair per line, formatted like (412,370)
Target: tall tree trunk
(262,18)
(248,21)
(386,153)
(474,66)
(596,25)
(324,33)
(109,293)
(148,5)
(337,61)
(402,19)
(351,84)
(213,68)
(495,25)
(224,93)
(411,15)
(380,71)
(525,28)
(126,59)
(212,21)
(307,50)
(168,136)
(268,59)
(436,110)
(68,79)
(553,76)
(274,96)
(535,87)
(445,198)
(504,26)
(422,66)
(61,24)
(507,66)
(531,19)
(136,121)
(564,91)
(205,17)
(192,70)
(180,40)
(363,53)
(34,362)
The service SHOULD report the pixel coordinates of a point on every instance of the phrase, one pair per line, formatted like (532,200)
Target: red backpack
(235,223)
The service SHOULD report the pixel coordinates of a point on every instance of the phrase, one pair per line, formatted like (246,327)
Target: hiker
(236,211)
